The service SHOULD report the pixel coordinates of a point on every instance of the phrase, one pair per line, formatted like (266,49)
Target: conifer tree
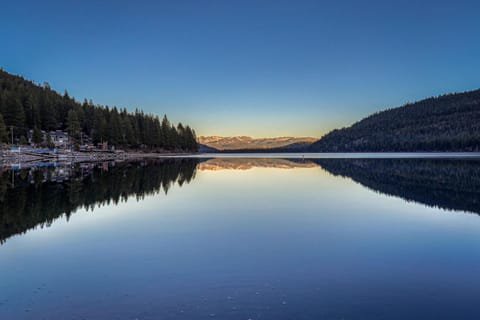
(3,130)
(37,136)
(13,113)
(73,124)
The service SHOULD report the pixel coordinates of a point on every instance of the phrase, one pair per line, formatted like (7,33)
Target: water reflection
(249,163)
(278,239)
(442,183)
(447,184)
(38,195)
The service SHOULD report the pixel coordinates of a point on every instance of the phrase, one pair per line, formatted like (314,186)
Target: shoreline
(12,158)
(341,155)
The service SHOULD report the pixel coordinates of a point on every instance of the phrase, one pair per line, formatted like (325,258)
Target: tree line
(26,106)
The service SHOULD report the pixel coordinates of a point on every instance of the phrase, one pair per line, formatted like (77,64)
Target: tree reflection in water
(446,184)
(37,196)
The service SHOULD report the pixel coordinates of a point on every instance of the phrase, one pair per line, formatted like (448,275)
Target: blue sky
(259,68)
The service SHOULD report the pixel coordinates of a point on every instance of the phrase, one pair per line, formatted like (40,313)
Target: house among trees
(60,139)
(57,138)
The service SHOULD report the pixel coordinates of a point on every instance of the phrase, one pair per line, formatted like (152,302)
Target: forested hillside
(25,106)
(445,123)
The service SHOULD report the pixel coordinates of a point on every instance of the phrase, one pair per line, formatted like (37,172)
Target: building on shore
(59,138)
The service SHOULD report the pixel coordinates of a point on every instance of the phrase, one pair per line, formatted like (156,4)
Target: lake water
(238,238)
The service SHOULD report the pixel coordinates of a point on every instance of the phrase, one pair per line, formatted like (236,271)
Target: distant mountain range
(445,123)
(249,143)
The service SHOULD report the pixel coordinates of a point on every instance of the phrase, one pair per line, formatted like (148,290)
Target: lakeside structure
(56,145)
(58,137)
(21,157)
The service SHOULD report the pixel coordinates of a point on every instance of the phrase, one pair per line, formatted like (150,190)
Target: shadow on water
(35,197)
(39,195)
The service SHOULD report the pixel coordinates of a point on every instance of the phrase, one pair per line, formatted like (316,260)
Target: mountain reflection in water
(37,196)
(250,163)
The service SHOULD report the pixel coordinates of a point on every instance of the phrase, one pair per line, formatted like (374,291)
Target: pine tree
(49,141)
(166,132)
(37,136)
(182,138)
(114,131)
(99,126)
(73,124)
(126,128)
(3,130)
(191,139)
(47,112)
(23,141)
(13,113)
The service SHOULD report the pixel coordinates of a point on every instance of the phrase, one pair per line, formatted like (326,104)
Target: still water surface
(233,238)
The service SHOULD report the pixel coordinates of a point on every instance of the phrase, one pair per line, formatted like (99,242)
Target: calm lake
(242,238)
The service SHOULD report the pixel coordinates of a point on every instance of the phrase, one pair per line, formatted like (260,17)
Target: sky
(258,68)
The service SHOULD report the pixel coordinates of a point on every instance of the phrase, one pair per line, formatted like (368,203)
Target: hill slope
(445,123)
